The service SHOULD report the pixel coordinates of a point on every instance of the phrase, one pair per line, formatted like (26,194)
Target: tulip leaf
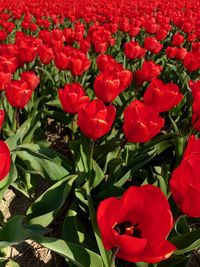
(12,263)
(54,103)
(186,242)
(181,225)
(81,257)
(44,161)
(8,234)
(139,162)
(9,179)
(97,173)
(174,260)
(74,227)
(45,208)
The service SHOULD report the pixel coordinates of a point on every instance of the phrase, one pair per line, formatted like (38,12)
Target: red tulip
(95,119)
(5,160)
(170,52)
(137,224)
(45,54)
(141,122)
(2,115)
(162,96)
(18,93)
(177,39)
(152,45)
(102,60)
(8,64)
(26,54)
(5,78)
(133,50)
(31,78)
(61,61)
(72,97)
(192,61)
(108,86)
(149,72)
(185,182)
(161,34)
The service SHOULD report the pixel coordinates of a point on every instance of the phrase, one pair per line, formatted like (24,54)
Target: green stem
(112,261)
(121,147)
(92,212)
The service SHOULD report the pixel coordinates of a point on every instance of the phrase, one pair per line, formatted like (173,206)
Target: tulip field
(100,131)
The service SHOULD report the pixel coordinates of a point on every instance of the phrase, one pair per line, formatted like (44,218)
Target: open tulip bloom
(137,224)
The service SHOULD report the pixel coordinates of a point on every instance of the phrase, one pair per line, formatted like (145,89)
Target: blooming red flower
(108,86)
(162,96)
(95,119)
(8,64)
(141,122)
(102,60)
(161,34)
(185,182)
(31,78)
(2,115)
(5,78)
(72,97)
(5,160)
(45,54)
(137,224)
(18,93)
(152,45)
(177,39)
(192,61)
(149,72)
(61,61)
(133,50)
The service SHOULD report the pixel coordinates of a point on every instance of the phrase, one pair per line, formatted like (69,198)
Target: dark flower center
(128,228)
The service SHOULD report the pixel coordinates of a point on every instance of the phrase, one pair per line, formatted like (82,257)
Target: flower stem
(112,261)
(92,212)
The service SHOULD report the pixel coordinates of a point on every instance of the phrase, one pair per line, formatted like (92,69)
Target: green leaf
(75,227)
(54,103)
(78,255)
(45,208)
(98,175)
(138,162)
(12,263)
(44,161)
(186,242)
(9,179)
(174,260)
(181,226)
(13,232)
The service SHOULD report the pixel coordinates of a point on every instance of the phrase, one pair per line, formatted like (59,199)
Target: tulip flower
(2,115)
(108,86)
(162,96)
(137,224)
(5,78)
(177,39)
(45,54)
(152,45)
(133,50)
(149,72)
(185,182)
(72,97)
(18,93)
(31,78)
(141,122)
(95,119)
(5,160)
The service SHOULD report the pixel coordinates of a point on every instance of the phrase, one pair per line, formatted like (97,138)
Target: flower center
(128,228)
